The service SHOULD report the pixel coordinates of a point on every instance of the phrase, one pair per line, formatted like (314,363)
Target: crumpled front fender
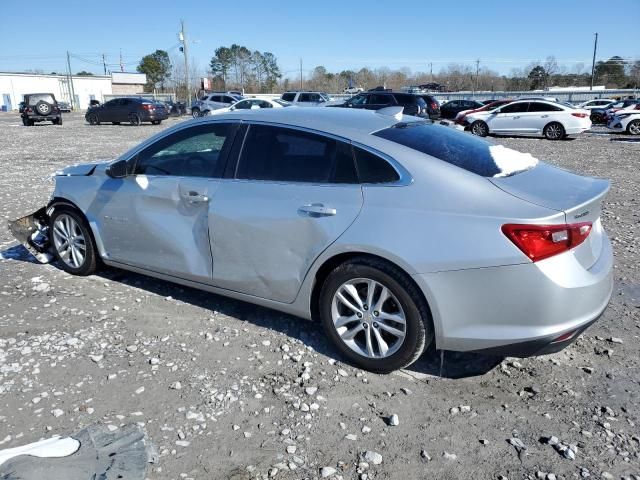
(33,232)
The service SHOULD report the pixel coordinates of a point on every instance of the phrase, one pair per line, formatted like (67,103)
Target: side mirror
(117,169)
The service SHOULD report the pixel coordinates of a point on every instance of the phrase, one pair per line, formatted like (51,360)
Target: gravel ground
(224,389)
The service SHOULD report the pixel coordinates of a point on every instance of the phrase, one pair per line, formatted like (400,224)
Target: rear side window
(374,169)
(288,155)
(458,148)
(515,108)
(543,107)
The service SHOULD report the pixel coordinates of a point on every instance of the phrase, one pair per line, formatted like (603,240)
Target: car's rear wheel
(156,122)
(57,121)
(195,112)
(134,119)
(479,128)
(72,241)
(25,121)
(115,123)
(93,119)
(633,127)
(554,131)
(375,315)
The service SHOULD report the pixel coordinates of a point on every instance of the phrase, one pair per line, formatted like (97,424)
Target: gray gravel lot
(224,389)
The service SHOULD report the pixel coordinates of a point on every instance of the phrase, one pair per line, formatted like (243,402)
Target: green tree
(271,71)
(611,72)
(537,78)
(84,73)
(157,67)
(221,63)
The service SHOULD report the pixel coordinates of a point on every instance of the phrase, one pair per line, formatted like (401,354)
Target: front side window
(377,99)
(305,97)
(543,107)
(243,105)
(358,100)
(288,155)
(192,152)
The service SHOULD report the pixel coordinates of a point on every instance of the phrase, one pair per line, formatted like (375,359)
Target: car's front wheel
(195,112)
(93,119)
(633,127)
(479,128)
(554,131)
(375,315)
(72,241)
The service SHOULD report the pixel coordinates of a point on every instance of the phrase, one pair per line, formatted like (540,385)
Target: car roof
(348,123)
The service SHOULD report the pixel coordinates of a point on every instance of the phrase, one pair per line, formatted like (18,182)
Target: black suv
(375,100)
(40,107)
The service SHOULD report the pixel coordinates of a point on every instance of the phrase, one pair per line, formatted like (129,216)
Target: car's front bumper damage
(33,232)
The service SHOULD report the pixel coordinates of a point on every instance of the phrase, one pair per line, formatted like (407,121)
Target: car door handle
(544,116)
(317,210)
(515,118)
(195,197)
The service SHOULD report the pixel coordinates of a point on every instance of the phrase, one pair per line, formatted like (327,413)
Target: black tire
(134,119)
(195,112)
(419,329)
(633,127)
(155,122)
(25,121)
(90,263)
(479,128)
(93,119)
(43,108)
(595,117)
(554,131)
(116,123)
(57,121)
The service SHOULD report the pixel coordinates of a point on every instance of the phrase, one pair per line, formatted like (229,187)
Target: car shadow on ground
(433,363)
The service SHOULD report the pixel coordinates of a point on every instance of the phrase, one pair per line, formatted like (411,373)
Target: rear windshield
(460,149)
(43,97)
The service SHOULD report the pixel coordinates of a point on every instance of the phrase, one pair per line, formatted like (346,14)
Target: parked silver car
(392,231)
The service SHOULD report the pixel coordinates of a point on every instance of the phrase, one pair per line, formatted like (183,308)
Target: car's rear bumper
(518,310)
(42,118)
(151,117)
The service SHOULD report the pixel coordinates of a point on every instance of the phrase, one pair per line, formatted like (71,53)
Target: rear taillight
(29,110)
(147,106)
(434,106)
(580,115)
(543,241)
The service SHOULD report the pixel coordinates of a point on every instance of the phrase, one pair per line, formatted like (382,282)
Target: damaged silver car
(392,231)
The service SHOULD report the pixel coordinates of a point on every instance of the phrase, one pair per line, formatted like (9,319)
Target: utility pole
(431,71)
(477,72)
(104,64)
(301,74)
(72,92)
(183,39)
(593,63)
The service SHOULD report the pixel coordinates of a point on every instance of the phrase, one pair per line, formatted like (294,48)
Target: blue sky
(503,34)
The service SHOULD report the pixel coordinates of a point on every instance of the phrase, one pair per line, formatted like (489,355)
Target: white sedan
(626,121)
(249,104)
(597,103)
(551,120)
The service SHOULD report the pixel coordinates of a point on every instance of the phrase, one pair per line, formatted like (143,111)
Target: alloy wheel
(69,241)
(634,128)
(554,131)
(368,318)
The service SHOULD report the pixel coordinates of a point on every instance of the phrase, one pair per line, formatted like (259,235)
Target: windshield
(460,149)
(281,102)
(325,96)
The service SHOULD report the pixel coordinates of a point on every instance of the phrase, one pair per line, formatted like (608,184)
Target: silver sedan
(390,230)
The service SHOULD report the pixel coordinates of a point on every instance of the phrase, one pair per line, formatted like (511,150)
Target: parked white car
(537,118)
(626,121)
(353,90)
(597,103)
(249,104)
(305,98)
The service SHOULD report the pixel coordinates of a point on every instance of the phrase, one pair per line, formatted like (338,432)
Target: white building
(14,85)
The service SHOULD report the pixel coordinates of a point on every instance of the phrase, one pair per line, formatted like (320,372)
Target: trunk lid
(579,198)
